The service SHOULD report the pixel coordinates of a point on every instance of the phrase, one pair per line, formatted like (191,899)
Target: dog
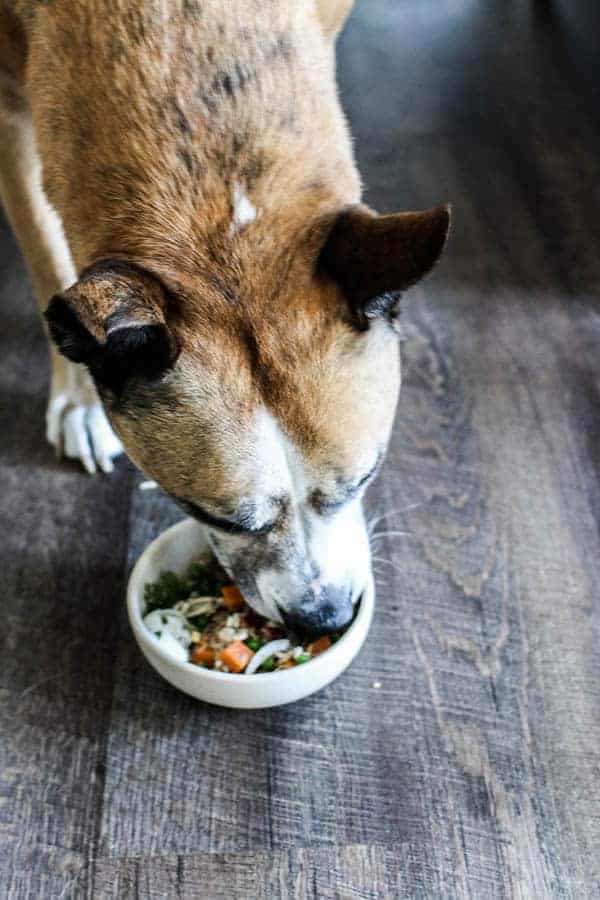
(180,177)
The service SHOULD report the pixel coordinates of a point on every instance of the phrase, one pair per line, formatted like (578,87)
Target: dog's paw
(82,432)
(76,424)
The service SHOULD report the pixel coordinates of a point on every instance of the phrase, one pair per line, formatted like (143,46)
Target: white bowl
(175,549)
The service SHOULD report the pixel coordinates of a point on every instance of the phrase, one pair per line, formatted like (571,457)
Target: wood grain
(473,770)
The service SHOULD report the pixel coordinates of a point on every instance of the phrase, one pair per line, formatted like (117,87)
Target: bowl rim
(135,587)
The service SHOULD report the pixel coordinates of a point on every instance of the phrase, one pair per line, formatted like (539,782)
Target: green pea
(254,643)
(303,658)
(268,665)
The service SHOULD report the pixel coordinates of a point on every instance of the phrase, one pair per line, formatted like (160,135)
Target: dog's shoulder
(171,131)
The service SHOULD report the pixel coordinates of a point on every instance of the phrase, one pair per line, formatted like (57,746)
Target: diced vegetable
(202,617)
(203,580)
(323,643)
(265,654)
(200,622)
(202,655)
(268,665)
(233,597)
(198,606)
(254,642)
(170,589)
(236,656)
(165,592)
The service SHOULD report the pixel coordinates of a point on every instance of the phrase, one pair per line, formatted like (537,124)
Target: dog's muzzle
(331,611)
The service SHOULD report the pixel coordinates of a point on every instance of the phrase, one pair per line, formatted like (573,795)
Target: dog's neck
(209,143)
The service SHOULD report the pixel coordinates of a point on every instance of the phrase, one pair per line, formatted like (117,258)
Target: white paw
(76,424)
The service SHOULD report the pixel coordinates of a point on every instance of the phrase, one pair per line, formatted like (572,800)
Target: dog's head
(262,398)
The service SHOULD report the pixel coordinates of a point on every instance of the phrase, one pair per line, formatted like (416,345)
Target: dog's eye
(328,504)
(326,507)
(230,526)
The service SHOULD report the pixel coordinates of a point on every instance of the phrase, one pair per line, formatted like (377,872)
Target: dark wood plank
(472,772)
(62,556)
(355,872)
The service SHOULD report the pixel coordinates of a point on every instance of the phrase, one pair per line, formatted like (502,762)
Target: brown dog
(180,177)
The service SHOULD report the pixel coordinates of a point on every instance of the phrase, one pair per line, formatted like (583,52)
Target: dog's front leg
(76,425)
(75,422)
(332,14)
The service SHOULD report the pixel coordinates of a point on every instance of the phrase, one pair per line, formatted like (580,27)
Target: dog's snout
(319,612)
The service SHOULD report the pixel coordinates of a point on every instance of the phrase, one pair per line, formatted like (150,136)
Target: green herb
(254,642)
(203,581)
(200,622)
(169,588)
(165,592)
(268,665)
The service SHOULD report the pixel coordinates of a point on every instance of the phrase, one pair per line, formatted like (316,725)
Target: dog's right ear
(113,320)
(374,258)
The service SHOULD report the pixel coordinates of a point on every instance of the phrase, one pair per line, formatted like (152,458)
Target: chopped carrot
(236,656)
(324,643)
(203,655)
(233,597)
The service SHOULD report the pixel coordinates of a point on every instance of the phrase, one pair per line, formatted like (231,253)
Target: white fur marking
(82,432)
(106,445)
(272,474)
(76,423)
(244,211)
(270,586)
(323,551)
(337,545)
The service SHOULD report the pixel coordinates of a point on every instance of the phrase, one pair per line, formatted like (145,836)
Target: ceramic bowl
(175,549)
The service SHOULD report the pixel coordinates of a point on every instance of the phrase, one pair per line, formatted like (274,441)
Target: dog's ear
(113,320)
(373,258)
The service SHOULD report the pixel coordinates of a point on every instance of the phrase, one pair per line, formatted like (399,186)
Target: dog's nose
(328,610)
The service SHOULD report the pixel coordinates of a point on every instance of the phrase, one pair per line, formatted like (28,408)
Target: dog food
(202,618)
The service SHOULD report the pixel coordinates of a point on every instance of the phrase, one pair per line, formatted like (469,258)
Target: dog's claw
(54,413)
(77,428)
(77,444)
(105,442)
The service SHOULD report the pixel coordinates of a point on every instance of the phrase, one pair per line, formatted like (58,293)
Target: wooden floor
(474,770)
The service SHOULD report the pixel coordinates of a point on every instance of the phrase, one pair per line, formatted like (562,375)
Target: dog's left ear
(373,258)
(114,321)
